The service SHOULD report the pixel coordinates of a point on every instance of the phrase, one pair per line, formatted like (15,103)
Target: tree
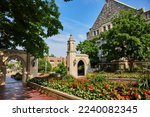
(52,55)
(129,37)
(90,48)
(26,23)
(10,66)
(61,69)
(42,64)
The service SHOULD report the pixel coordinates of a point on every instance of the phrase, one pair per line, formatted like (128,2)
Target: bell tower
(71,45)
(71,56)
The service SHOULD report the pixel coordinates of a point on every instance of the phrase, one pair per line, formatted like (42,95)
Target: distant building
(54,61)
(104,19)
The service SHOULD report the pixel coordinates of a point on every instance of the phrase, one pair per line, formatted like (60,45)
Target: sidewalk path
(15,90)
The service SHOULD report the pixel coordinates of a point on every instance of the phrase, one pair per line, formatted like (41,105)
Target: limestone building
(54,61)
(77,64)
(104,20)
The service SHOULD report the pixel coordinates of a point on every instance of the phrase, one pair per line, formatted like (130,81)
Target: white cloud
(60,38)
(58,44)
(75,22)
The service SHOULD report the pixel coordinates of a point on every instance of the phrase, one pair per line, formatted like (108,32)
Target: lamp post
(46,62)
(46,65)
(74,62)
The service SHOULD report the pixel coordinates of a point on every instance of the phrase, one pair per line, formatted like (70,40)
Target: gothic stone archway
(30,64)
(12,57)
(77,64)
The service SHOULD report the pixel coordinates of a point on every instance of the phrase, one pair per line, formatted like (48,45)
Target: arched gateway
(77,64)
(29,63)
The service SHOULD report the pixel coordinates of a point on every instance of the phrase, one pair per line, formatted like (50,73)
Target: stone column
(27,67)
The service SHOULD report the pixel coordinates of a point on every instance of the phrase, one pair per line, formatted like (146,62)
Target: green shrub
(39,81)
(68,78)
(118,72)
(98,78)
(18,76)
(61,69)
(90,76)
(138,69)
(144,81)
(146,71)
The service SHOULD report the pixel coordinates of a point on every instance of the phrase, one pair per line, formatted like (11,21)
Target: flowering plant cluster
(98,91)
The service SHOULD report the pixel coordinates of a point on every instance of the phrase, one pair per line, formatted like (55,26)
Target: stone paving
(15,90)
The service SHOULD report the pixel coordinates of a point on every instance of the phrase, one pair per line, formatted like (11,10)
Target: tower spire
(71,37)
(71,44)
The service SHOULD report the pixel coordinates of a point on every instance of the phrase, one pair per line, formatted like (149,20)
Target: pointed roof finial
(71,37)
(107,1)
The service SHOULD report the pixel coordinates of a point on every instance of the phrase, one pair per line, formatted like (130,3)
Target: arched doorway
(15,67)
(81,68)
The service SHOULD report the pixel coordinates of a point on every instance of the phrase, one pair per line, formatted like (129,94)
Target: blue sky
(77,17)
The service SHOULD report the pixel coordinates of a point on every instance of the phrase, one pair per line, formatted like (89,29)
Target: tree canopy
(44,66)
(129,37)
(26,23)
(90,48)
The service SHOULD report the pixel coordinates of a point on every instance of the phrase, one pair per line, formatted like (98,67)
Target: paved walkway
(15,90)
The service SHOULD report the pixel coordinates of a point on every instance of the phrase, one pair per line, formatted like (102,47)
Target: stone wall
(110,9)
(52,92)
(104,20)
(147,15)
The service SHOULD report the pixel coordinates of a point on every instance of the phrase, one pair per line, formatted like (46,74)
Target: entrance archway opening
(81,68)
(15,69)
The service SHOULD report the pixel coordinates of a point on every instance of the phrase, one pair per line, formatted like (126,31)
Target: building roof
(111,8)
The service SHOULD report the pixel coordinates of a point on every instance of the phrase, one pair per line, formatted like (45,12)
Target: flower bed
(97,91)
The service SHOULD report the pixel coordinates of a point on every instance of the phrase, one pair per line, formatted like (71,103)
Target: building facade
(54,61)
(110,9)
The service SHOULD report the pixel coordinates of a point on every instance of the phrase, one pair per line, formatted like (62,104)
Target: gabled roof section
(109,10)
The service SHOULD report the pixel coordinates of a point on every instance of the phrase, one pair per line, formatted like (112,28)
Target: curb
(52,92)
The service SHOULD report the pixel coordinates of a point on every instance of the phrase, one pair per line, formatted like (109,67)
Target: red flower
(129,92)
(103,92)
(74,86)
(91,88)
(135,94)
